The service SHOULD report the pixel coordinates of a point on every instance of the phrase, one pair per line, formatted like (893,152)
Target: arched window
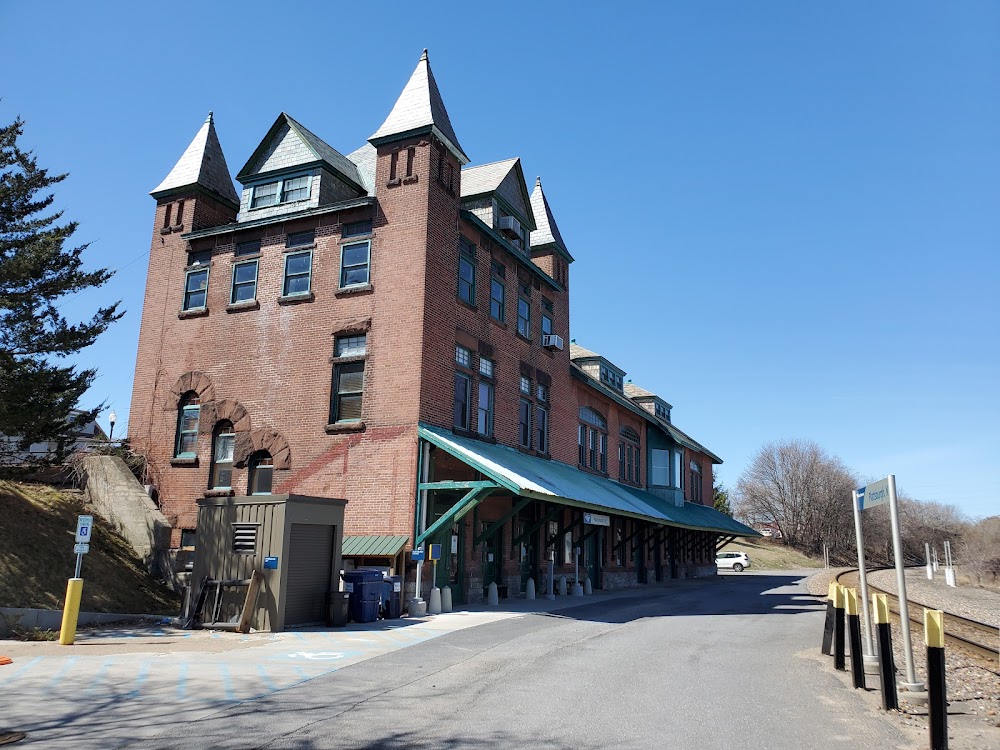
(261,473)
(223,440)
(188,411)
(592,436)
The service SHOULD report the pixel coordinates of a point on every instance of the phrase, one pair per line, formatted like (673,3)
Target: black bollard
(854,625)
(838,629)
(886,663)
(827,647)
(936,694)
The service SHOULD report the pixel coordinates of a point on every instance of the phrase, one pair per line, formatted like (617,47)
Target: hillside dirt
(37,529)
(766,554)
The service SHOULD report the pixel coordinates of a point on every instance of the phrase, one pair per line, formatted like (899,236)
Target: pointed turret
(202,165)
(420,110)
(547,231)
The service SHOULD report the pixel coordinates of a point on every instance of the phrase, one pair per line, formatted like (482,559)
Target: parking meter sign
(84,529)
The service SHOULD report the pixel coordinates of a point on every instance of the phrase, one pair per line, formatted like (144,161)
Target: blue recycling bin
(365,590)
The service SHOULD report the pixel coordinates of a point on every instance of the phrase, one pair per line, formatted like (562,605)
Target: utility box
(301,539)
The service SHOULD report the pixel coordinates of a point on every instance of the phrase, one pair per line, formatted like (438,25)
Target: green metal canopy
(373,545)
(554,481)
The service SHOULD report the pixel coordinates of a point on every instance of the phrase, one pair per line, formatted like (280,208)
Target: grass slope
(768,555)
(37,528)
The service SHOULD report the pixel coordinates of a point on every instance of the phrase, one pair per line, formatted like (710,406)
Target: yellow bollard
(71,611)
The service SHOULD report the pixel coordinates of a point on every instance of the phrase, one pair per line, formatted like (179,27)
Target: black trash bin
(339,612)
(364,587)
(393,597)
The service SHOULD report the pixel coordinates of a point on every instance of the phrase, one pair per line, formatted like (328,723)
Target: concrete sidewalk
(120,684)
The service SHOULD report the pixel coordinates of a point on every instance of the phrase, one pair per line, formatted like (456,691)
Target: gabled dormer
(497,194)
(597,367)
(649,401)
(293,170)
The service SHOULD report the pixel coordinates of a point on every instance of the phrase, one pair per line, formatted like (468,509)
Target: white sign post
(869,652)
(84,530)
(911,683)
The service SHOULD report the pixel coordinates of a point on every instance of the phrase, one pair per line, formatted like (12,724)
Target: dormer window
(288,190)
(611,378)
(662,412)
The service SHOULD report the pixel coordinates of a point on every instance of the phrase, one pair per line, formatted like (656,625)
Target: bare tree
(980,550)
(797,486)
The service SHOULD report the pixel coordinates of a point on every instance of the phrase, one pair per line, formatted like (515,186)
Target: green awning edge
(373,545)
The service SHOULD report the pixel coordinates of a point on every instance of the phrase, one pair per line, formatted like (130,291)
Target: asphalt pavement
(730,662)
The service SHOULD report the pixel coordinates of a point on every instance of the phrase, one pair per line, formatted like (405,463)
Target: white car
(734,560)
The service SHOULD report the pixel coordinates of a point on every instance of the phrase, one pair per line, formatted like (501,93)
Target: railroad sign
(81,549)
(435,552)
(84,528)
(417,555)
(876,493)
(596,519)
(270,563)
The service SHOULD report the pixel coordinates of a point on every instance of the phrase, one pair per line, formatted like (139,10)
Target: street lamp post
(112,418)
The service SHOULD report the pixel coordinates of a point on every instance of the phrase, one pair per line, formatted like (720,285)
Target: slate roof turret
(420,109)
(202,165)
(547,231)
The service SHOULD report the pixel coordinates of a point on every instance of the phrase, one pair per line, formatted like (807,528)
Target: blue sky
(784,214)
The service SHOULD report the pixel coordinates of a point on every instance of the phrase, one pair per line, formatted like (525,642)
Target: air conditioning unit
(551,341)
(510,227)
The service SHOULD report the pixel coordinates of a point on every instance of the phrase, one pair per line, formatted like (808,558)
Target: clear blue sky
(785,214)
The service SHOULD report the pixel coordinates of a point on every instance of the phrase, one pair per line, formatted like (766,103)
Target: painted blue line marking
(20,672)
(182,681)
(268,682)
(63,670)
(140,679)
(98,676)
(227,682)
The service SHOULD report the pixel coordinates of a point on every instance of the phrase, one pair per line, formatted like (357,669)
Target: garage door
(310,558)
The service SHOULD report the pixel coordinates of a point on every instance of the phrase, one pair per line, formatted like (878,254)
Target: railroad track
(980,638)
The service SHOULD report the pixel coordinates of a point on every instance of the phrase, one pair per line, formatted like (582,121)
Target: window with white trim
(223,442)
(287,190)
(463,356)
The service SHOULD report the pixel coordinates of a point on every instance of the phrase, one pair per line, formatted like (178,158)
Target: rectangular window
(245,538)
(262,477)
(638,476)
(628,462)
(188,538)
(296,189)
(348,392)
(485,367)
(602,447)
(461,410)
(525,385)
(496,299)
(568,548)
(463,356)
(187,432)
(351,346)
(523,317)
(295,239)
(621,461)
(466,279)
(195,289)
(485,409)
(250,247)
(298,273)
(659,467)
(354,260)
(265,195)
(357,229)
(546,326)
(524,424)
(244,282)
(222,461)
(542,430)
(593,449)
(581,438)
(677,476)
(543,393)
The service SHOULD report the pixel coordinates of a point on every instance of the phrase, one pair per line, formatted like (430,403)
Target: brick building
(392,327)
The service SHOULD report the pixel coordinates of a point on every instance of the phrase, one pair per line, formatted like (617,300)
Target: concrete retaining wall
(119,498)
(51,619)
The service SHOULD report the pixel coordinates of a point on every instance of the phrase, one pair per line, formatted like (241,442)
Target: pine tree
(37,270)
